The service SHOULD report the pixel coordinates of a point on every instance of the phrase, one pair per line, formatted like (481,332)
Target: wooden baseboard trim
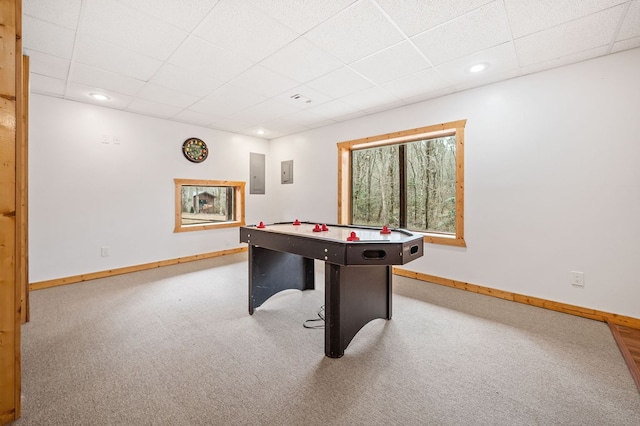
(118,271)
(527,300)
(515,297)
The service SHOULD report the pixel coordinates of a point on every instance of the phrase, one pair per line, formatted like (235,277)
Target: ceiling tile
(262,81)
(629,43)
(564,60)
(80,92)
(99,54)
(275,128)
(185,15)
(212,108)
(51,66)
(63,13)
(231,124)
(268,135)
(235,65)
(219,64)
(421,82)
(340,82)
(247,31)
(297,121)
(118,24)
(384,106)
(581,34)
(392,63)
(335,109)
(301,15)
(44,37)
(189,80)
(301,61)
(151,92)
(356,32)
(86,75)
(420,97)
(265,111)
(530,16)
(307,92)
(46,85)
(226,100)
(477,30)
(500,58)
(152,108)
(486,79)
(347,117)
(236,97)
(416,16)
(371,98)
(631,23)
(192,117)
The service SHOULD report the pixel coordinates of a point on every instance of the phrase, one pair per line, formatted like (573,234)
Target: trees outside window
(208,204)
(412,179)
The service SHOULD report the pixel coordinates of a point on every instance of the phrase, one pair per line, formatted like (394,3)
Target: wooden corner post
(10,290)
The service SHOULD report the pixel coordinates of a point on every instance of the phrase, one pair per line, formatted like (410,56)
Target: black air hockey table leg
(354,295)
(271,272)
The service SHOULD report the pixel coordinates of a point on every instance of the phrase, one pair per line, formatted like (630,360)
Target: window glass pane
(431,185)
(424,188)
(375,186)
(207,204)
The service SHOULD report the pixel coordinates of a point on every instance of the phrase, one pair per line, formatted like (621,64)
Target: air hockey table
(358,262)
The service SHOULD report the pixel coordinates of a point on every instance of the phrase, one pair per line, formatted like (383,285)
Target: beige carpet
(176,346)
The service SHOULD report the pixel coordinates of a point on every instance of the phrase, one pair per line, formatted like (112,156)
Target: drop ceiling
(286,66)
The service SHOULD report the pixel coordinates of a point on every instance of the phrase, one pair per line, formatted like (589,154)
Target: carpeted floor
(176,346)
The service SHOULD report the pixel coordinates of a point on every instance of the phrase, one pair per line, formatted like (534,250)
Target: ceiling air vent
(298,97)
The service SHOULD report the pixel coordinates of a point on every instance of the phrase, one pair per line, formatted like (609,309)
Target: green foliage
(430,175)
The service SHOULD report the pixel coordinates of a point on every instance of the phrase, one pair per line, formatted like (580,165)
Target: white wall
(84,194)
(552,181)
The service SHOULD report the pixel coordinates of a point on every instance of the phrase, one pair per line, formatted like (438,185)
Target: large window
(412,179)
(208,204)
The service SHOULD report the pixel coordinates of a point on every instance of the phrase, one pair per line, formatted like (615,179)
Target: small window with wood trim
(412,179)
(208,204)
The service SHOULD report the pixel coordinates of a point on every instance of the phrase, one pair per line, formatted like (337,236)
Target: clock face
(195,150)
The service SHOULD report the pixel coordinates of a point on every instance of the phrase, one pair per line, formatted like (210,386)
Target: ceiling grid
(235,66)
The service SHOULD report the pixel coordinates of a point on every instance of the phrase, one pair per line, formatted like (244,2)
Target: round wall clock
(195,150)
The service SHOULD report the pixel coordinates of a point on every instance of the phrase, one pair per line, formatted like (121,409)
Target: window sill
(444,240)
(187,228)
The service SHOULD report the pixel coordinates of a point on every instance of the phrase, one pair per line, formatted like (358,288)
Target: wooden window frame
(239,188)
(429,132)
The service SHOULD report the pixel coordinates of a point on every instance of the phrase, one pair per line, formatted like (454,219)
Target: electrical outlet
(104,251)
(577,278)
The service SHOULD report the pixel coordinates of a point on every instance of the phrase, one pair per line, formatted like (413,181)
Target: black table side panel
(329,251)
(271,272)
(340,252)
(354,295)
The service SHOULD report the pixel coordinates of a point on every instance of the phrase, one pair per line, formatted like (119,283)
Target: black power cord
(310,322)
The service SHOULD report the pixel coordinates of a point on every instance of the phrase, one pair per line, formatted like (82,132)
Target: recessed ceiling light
(99,96)
(260,132)
(478,67)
